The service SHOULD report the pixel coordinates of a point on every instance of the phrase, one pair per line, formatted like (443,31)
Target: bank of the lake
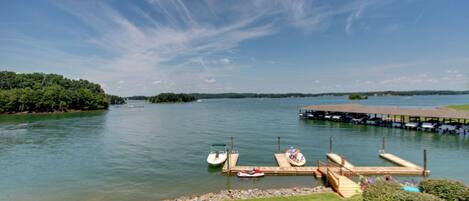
(255,193)
(464,107)
(158,152)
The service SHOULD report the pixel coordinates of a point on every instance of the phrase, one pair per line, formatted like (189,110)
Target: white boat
(428,126)
(336,117)
(411,125)
(295,157)
(217,155)
(256,172)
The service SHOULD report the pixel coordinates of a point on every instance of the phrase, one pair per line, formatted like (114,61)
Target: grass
(312,197)
(459,107)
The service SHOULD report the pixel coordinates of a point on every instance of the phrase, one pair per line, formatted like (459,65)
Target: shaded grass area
(312,197)
(459,107)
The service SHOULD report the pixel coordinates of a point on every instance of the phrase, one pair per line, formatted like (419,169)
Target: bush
(392,191)
(402,195)
(446,189)
(381,190)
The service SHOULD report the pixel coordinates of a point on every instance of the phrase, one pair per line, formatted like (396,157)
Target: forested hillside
(39,92)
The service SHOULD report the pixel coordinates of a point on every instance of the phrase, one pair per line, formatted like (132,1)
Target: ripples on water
(159,151)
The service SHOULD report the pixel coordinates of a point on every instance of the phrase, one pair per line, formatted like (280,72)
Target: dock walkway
(339,160)
(336,174)
(398,161)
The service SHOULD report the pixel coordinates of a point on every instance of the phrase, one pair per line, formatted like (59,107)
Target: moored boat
(256,172)
(217,155)
(295,157)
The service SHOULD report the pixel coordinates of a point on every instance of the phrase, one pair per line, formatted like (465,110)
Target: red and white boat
(295,157)
(256,172)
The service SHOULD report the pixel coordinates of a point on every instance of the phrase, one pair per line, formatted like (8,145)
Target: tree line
(300,95)
(40,92)
(172,98)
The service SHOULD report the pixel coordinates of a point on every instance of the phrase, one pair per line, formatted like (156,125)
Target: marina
(441,120)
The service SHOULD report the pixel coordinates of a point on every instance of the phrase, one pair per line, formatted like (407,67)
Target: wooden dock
(283,168)
(339,160)
(405,168)
(336,174)
(398,161)
(282,160)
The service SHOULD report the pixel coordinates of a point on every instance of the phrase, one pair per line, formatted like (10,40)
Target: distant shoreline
(305,95)
(49,113)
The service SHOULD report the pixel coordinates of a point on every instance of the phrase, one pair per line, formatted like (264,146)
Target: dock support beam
(278,144)
(383,145)
(229,154)
(330,144)
(232,143)
(424,163)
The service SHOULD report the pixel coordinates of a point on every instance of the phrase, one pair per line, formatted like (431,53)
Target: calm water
(159,151)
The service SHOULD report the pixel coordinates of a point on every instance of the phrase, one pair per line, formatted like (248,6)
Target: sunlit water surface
(159,151)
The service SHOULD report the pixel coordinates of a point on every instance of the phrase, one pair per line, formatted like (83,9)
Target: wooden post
(330,144)
(232,143)
(342,165)
(278,144)
(228,162)
(424,162)
(383,146)
(229,155)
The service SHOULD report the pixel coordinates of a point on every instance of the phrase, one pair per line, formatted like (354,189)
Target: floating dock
(283,168)
(336,174)
(405,168)
(339,160)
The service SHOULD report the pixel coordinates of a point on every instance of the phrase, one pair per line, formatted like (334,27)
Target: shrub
(392,191)
(381,190)
(446,189)
(402,195)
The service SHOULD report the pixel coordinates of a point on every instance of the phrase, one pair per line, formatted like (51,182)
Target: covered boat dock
(425,119)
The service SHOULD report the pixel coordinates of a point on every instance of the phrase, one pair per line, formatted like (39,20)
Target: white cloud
(210,80)
(156,82)
(225,61)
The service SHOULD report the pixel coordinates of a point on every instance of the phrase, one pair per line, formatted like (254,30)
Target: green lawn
(459,107)
(312,197)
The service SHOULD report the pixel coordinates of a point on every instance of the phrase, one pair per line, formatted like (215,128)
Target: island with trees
(172,98)
(357,96)
(115,100)
(44,93)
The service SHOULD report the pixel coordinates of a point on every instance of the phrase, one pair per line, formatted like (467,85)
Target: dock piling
(383,145)
(424,163)
(330,144)
(278,144)
(232,143)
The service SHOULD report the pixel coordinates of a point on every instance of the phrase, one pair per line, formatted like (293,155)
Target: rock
(232,194)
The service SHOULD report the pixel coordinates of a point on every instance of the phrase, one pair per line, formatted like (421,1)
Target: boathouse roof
(391,110)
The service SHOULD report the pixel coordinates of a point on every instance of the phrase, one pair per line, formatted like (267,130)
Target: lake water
(159,151)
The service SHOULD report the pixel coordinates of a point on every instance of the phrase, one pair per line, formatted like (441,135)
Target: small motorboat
(217,155)
(295,157)
(256,172)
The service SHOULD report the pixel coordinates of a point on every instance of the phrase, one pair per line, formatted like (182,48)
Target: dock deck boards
(337,175)
(282,160)
(398,161)
(284,168)
(339,159)
(233,161)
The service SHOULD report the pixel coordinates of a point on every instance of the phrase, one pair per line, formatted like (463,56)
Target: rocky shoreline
(235,194)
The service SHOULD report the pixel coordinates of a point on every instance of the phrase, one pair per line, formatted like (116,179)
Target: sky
(148,47)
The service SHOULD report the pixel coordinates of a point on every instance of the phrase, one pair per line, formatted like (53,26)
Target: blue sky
(149,46)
